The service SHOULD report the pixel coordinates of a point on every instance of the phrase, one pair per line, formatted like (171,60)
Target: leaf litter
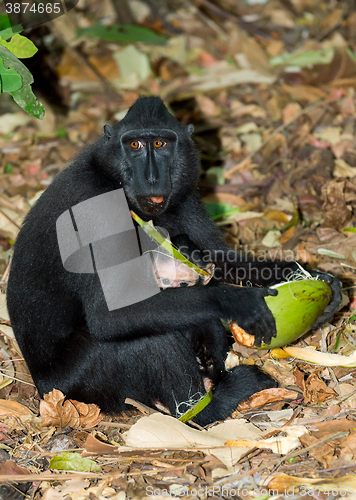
(276,140)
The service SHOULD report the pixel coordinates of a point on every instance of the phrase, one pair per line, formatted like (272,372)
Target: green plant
(15,78)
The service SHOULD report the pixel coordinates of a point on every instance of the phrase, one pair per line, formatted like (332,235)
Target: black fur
(68,337)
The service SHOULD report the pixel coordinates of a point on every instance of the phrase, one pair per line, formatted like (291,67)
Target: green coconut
(296,308)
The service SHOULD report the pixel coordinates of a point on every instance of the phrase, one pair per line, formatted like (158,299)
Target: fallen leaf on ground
(56,411)
(73,461)
(267,396)
(316,390)
(9,467)
(93,445)
(278,444)
(12,408)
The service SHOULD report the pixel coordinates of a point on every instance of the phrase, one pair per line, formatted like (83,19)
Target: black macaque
(171,273)
(69,338)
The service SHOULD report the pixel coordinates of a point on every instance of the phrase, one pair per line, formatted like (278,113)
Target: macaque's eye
(158,143)
(183,284)
(136,144)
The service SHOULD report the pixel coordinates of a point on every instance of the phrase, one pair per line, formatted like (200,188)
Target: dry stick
(15,378)
(140,406)
(223,14)
(9,218)
(117,425)
(45,476)
(278,462)
(207,20)
(228,174)
(315,445)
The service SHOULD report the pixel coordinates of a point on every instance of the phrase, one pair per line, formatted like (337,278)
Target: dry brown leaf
(72,68)
(267,396)
(291,111)
(9,467)
(330,427)
(349,445)
(316,391)
(56,411)
(208,106)
(93,445)
(12,408)
(89,416)
(305,93)
(323,453)
(336,212)
(279,372)
(343,66)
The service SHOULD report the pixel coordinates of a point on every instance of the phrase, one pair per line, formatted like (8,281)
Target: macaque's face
(172,273)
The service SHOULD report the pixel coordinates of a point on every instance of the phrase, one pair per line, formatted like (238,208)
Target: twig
(140,406)
(218,11)
(236,477)
(294,454)
(9,218)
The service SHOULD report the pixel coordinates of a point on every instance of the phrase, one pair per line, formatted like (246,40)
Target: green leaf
(73,461)
(24,97)
(4,21)
(201,404)
(219,210)
(331,253)
(353,318)
(152,232)
(9,32)
(20,46)
(61,132)
(123,33)
(10,80)
(310,58)
(337,341)
(11,61)
(27,100)
(350,229)
(8,168)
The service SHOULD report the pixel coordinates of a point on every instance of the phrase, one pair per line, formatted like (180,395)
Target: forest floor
(270,89)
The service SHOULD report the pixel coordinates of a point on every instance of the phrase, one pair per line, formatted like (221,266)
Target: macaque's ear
(210,268)
(190,129)
(107,132)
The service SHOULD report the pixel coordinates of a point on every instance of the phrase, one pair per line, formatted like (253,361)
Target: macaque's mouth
(153,204)
(156,199)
